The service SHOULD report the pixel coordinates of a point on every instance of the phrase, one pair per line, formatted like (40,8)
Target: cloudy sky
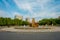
(37,9)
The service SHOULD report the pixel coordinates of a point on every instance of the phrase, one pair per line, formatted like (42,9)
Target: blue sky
(37,9)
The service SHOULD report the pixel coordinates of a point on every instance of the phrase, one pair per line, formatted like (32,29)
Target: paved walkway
(12,29)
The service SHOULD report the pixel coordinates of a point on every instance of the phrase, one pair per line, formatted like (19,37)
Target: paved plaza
(22,29)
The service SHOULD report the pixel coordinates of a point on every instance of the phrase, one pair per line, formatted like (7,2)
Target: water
(30,36)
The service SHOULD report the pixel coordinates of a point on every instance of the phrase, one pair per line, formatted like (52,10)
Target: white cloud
(24,6)
(30,5)
(16,13)
(4,14)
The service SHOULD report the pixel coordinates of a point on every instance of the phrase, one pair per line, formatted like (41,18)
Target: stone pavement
(12,29)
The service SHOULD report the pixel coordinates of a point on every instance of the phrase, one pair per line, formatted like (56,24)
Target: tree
(49,21)
(25,23)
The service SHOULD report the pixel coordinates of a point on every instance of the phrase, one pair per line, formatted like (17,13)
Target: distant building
(59,17)
(34,24)
(18,17)
(33,20)
(28,19)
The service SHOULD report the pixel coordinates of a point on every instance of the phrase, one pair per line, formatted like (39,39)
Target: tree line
(50,21)
(12,22)
(17,22)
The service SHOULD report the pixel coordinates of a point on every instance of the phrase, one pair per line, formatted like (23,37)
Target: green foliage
(17,22)
(49,21)
(12,22)
(25,23)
